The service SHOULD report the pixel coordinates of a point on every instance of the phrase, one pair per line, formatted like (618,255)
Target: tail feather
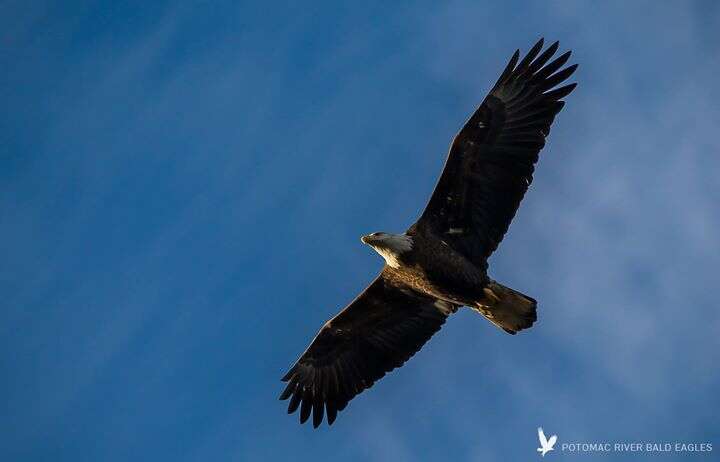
(508,309)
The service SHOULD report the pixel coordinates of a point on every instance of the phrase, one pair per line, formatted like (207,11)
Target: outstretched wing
(385,325)
(542,438)
(492,159)
(552,441)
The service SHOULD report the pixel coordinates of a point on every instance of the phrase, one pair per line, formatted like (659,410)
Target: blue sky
(183,186)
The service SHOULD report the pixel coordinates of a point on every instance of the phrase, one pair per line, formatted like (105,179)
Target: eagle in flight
(440,263)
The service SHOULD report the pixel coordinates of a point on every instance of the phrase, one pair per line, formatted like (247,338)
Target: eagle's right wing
(492,159)
(380,330)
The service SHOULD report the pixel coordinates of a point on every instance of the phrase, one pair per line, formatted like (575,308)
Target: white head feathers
(389,246)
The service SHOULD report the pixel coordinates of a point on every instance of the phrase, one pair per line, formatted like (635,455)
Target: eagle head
(389,246)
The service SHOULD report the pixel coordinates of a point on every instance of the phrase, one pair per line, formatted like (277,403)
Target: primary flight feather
(440,263)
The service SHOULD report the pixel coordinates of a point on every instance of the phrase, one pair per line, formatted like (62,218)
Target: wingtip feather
(306,407)
(288,391)
(294,402)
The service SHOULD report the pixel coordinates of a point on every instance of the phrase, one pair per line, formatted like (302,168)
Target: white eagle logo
(545,444)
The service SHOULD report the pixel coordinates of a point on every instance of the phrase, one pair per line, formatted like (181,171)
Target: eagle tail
(508,309)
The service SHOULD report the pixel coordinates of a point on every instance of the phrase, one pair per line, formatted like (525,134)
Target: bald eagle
(440,263)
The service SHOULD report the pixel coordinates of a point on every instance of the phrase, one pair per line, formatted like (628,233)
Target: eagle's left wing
(542,437)
(380,330)
(492,159)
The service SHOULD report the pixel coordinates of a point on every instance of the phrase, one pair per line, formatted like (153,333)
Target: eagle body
(425,269)
(440,263)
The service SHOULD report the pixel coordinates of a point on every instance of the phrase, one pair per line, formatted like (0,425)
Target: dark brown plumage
(492,159)
(440,263)
(379,331)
